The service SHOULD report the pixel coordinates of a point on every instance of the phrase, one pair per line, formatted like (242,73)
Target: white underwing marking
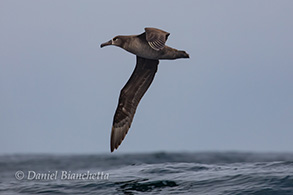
(152,46)
(124,110)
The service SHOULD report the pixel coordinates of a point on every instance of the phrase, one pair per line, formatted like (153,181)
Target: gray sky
(59,90)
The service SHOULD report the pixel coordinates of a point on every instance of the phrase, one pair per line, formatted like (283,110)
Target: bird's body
(137,45)
(149,47)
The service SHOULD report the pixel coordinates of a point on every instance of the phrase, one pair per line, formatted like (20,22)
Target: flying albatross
(149,47)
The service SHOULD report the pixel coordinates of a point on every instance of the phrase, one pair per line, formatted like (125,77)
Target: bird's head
(117,41)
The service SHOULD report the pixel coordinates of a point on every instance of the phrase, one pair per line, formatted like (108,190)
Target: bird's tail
(182,54)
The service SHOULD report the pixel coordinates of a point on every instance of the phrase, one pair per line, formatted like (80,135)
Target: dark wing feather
(130,96)
(156,38)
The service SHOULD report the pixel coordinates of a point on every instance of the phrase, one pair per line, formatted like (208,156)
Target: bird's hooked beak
(106,43)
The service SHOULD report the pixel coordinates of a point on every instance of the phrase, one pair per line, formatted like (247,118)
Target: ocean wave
(155,173)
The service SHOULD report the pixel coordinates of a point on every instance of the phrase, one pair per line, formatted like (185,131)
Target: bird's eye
(115,39)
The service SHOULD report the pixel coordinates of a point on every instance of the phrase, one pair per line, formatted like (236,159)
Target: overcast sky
(59,89)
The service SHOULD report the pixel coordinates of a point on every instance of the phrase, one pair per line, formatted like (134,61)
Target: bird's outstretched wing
(156,38)
(130,96)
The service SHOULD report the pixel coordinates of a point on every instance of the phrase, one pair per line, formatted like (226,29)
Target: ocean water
(206,173)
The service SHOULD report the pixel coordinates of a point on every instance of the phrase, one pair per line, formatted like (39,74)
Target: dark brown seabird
(149,47)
